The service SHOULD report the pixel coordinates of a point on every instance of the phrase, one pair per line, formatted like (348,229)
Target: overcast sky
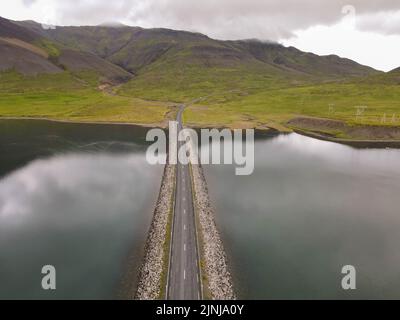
(367,31)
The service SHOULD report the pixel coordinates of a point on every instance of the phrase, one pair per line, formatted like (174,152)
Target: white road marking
(184,247)
(184,274)
(184,211)
(184,227)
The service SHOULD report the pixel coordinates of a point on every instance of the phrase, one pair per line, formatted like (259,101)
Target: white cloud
(346,40)
(387,22)
(377,22)
(225,19)
(69,183)
(28,2)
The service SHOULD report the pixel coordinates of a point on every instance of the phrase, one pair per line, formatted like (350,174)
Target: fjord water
(310,208)
(78,197)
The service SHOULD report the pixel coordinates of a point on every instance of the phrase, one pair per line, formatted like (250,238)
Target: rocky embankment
(151,272)
(215,266)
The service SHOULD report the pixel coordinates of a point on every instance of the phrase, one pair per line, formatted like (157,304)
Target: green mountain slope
(227,83)
(23,50)
(29,52)
(42,78)
(181,66)
(135,48)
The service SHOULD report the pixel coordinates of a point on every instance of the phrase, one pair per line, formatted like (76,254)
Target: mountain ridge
(30,52)
(133,74)
(135,48)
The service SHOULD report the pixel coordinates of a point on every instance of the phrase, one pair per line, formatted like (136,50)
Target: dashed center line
(181,260)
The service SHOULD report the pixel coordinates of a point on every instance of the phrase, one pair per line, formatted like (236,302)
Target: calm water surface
(310,208)
(79,197)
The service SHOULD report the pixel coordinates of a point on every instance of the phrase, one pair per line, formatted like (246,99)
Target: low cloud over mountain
(225,19)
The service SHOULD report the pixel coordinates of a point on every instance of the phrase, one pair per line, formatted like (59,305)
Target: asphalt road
(183,274)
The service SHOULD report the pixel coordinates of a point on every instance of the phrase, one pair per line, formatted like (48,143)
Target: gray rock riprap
(220,284)
(150,274)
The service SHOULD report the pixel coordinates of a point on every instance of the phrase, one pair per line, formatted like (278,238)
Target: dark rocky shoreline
(215,265)
(152,269)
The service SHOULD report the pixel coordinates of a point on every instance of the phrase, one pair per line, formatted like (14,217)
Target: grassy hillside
(42,78)
(369,102)
(28,51)
(226,83)
(135,48)
(199,70)
(73,97)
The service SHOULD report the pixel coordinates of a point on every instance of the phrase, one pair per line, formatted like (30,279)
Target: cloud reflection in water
(79,212)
